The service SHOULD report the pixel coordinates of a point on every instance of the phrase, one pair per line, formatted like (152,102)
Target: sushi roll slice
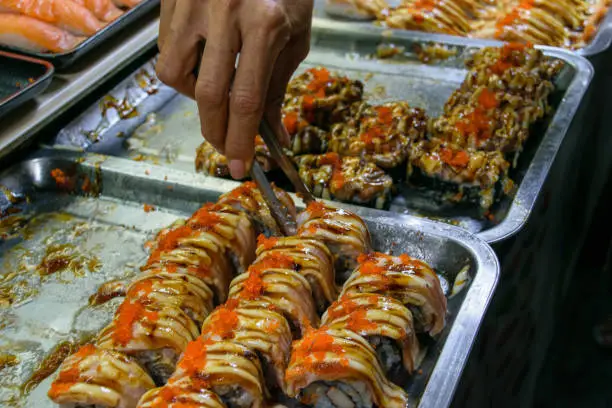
(344,233)
(95,377)
(453,175)
(248,198)
(338,368)
(258,326)
(233,226)
(154,335)
(443,17)
(210,162)
(379,134)
(356,9)
(345,178)
(311,259)
(183,393)
(385,323)
(410,281)
(322,98)
(195,249)
(227,368)
(272,281)
(187,292)
(305,138)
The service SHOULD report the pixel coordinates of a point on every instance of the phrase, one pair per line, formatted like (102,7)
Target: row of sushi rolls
(350,150)
(317,317)
(56,26)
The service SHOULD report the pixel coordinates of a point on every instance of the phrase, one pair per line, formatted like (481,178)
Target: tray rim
(599,44)
(537,172)
(446,373)
(38,86)
(63,60)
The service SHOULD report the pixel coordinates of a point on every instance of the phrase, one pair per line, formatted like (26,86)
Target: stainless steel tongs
(278,211)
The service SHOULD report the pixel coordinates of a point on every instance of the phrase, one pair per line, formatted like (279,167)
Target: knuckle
(165,74)
(229,5)
(275,21)
(208,94)
(246,103)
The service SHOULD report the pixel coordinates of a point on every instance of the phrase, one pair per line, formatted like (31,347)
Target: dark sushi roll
(338,368)
(454,175)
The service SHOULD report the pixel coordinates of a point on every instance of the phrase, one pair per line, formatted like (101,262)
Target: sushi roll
(345,178)
(196,249)
(231,225)
(385,323)
(443,17)
(95,377)
(408,280)
(344,233)
(379,134)
(210,162)
(311,259)
(305,138)
(452,175)
(227,368)
(154,335)
(248,198)
(182,393)
(322,98)
(187,292)
(258,326)
(356,9)
(273,282)
(338,368)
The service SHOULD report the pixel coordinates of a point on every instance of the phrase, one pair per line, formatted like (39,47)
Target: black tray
(21,78)
(65,59)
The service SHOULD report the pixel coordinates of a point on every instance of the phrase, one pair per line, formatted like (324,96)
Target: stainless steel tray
(166,129)
(106,233)
(599,44)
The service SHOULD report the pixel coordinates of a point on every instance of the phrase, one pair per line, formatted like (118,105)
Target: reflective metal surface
(166,129)
(111,228)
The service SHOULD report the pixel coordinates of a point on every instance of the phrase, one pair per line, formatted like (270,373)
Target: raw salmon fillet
(105,10)
(65,14)
(34,35)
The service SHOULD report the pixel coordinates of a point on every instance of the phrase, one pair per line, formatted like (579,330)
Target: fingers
(165,19)
(214,80)
(179,53)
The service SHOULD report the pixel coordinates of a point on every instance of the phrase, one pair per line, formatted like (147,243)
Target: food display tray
(64,60)
(63,237)
(21,79)
(599,44)
(163,127)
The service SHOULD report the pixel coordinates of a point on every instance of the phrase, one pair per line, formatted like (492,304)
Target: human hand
(272,37)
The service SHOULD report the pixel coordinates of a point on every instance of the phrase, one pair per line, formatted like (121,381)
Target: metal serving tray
(102,236)
(162,127)
(599,44)
(66,59)
(21,78)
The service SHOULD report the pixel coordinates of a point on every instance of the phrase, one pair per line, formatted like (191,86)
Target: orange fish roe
(308,102)
(453,158)
(69,376)
(127,315)
(487,99)
(140,289)
(358,321)
(244,190)
(169,241)
(222,323)
(274,260)
(253,286)
(341,307)
(148,208)
(290,120)
(194,357)
(320,81)
(266,243)
(204,219)
(61,179)
(310,355)
(385,115)
(317,209)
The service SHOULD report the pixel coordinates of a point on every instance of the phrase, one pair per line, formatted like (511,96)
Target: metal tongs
(278,211)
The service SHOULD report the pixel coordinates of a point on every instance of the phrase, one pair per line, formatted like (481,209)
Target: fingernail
(237,169)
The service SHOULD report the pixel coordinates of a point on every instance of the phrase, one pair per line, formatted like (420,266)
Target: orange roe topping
(194,357)
(476,123)
(222,323)
(454,158)
(68,377)
(333,159)
(169,241)
(487,99)
(244,189)
(274,260)
(321,78)
(317,209)
(309,354)
(61,179)
(330,158)
(342,307)
(253,286)
(308,102)
(204,219)
(272,325)
(266,243)
(290,120)
(148,208)
(127,315)
(358,322)
(140,289)
(385,115)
